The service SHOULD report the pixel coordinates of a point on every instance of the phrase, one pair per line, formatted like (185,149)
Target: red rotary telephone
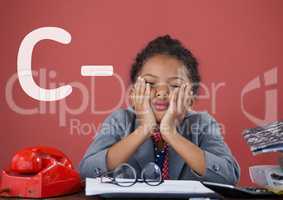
(39,172)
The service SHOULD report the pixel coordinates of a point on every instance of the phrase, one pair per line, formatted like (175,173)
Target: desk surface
(81,196)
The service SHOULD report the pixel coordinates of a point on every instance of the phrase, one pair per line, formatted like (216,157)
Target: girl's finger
(173,100)
(147,96)
(131,96)
(147,92)
(188,98)
(138,91)
(135,91)
(142,90)
(180,101)
(136,84)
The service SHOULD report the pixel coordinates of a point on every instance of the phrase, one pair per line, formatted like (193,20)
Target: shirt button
(97,171)
(215,168)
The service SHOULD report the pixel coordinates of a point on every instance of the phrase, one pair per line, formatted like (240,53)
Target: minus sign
(97,70)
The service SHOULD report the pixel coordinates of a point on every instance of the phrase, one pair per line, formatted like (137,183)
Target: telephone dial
(39,172)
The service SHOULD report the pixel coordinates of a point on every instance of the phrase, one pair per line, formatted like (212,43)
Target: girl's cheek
(151,99)
(152,93)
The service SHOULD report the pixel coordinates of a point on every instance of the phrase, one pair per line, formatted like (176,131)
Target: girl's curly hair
(165,45)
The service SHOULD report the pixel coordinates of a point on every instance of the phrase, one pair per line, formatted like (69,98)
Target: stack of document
(268,138)
(268,176)
(169,188)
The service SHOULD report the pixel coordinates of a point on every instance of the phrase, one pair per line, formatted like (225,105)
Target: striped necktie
(157,138)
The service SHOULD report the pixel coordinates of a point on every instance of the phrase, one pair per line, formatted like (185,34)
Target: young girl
(160,125)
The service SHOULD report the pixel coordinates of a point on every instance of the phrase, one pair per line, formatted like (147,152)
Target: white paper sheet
(95,187)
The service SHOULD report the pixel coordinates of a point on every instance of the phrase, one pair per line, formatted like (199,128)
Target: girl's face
(163,73)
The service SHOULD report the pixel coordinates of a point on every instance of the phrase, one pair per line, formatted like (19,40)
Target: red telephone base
(56,180)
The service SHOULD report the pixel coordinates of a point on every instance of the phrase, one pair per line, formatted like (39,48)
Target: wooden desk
(81,196)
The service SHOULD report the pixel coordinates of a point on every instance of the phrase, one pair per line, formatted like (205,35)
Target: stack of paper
(173,187)
(268,176)
(268,138)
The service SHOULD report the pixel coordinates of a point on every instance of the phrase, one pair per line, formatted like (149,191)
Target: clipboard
(240,192)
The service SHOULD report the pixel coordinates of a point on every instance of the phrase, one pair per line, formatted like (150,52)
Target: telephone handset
(33,160)
(39,172)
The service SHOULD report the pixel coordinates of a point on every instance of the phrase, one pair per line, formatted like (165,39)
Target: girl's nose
(162,92)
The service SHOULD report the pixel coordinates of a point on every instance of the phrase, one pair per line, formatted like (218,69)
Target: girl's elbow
(82,170)
(234,178)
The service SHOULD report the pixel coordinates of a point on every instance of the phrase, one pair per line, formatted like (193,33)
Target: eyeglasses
(125,175)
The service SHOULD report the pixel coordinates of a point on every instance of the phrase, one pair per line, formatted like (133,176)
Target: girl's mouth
(161,105)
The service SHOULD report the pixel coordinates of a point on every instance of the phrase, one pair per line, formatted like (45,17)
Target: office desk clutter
(268,138)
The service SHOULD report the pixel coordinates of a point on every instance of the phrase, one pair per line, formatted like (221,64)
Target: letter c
(24,64)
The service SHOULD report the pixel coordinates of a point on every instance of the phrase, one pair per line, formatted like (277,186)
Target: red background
(235,41)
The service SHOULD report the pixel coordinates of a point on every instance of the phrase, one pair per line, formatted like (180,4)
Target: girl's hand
(140,101)
(180,104)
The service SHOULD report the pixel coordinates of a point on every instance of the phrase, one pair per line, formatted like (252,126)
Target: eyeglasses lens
(152,174)
(125,175)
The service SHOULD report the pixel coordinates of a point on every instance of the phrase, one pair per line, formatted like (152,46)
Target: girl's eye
(175,86)
(150,83)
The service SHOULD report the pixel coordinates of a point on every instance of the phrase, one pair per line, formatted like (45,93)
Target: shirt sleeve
(221,166)
(115,127)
